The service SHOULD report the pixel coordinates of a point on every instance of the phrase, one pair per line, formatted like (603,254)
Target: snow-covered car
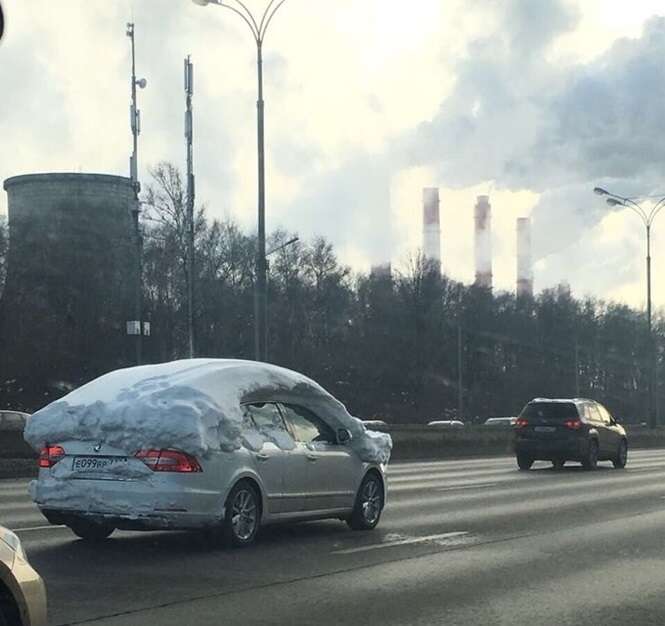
(22,592)
(217,444)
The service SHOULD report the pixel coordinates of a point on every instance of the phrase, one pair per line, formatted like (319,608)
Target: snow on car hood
(192,405)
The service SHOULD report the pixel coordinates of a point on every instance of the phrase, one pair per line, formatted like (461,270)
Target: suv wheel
(242,516)
(369,504)
(621,458)
(524,462)
(90,531)
(591,461)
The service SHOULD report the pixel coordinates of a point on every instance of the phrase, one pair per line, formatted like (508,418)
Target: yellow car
(22,592)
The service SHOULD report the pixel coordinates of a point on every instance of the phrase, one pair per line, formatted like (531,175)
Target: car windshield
(558,411)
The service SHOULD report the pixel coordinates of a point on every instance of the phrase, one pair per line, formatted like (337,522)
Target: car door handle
(313,458)
(262,457)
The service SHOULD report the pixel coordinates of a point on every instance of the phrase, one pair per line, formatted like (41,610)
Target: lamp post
(647,216)
(258,28)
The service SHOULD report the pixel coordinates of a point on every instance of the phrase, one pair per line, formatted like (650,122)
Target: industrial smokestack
(483,242)
(431,225)
(524,267)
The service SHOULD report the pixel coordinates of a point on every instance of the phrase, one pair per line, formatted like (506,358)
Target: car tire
(591,460)
(242,515)
(557,464)
(621,458)
(9,615)
(368,505)
(90,531)
(524,462)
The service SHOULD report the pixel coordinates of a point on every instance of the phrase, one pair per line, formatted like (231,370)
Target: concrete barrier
(411,442)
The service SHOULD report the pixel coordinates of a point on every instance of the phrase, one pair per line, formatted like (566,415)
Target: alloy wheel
(371,501)
(244,514)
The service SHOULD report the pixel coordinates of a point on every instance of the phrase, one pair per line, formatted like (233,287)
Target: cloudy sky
(533,102)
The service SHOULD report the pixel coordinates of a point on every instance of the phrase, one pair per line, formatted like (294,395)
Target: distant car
(576,429)
(446,424)
(500,422)
(22,592)
(13,420)
(276,447)
(378,424)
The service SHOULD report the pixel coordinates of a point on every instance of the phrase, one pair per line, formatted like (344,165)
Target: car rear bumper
(131,505)
(544,449)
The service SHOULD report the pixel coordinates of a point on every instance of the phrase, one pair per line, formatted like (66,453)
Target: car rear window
(550,410)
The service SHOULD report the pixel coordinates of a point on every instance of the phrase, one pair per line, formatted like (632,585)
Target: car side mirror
(343,436)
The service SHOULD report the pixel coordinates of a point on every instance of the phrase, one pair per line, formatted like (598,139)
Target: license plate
(96,463)
(545,429)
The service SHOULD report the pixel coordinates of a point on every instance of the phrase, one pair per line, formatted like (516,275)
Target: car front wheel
(621,458)
(9,615)
(369,504)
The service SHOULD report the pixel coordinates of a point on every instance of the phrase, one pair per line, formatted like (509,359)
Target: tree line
(390,346)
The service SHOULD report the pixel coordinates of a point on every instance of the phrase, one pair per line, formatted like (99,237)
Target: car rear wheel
(90,531)
(524,462)
(591,460)
(242,517)
(369,504)
(621,458)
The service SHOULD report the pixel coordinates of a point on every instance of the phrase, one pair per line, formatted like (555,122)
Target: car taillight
(169,461)
(50,455)
(521,422)
(573,424)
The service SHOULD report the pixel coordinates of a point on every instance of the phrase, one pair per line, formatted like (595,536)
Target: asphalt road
(461,542)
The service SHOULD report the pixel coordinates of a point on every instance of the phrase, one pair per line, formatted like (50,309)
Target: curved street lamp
(647,216)
(258,28)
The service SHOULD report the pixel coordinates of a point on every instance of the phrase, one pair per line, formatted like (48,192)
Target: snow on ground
(193,405)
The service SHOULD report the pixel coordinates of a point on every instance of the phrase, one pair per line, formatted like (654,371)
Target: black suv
(573,429)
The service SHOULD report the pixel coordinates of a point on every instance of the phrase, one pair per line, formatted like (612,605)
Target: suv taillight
(573,424)
(521,422)
(169,461)
(50,455)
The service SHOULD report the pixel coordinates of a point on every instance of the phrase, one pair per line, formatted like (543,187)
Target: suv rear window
(550,410)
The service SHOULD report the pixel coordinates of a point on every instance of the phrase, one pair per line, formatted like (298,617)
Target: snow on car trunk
(193,405)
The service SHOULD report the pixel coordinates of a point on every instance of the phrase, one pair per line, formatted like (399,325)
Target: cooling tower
(70,276)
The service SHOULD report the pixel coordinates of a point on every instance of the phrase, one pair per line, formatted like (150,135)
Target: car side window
(307,427)
(263,415)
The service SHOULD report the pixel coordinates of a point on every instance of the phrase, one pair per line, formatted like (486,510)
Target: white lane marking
(402,542)
(459,487)
(29,528)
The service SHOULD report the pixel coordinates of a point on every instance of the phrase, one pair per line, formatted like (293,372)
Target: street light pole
(647,217)
(189,133)
(258,29)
